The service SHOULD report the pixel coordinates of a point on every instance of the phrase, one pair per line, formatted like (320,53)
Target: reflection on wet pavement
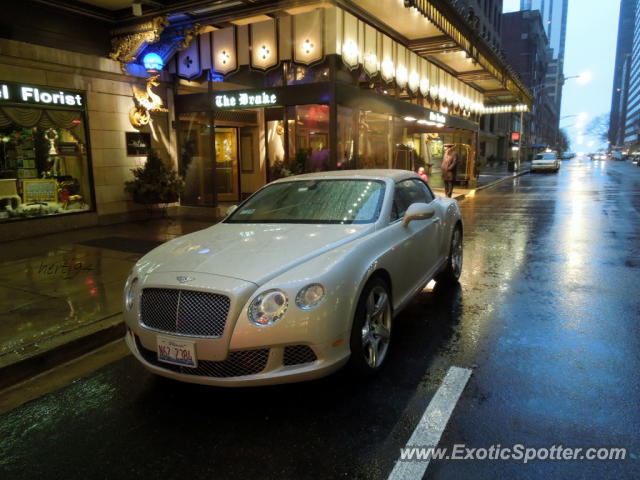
(58,283)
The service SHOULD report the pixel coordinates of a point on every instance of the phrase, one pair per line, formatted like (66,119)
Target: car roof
(365,174)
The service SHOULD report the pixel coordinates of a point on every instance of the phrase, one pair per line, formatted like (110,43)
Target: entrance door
(226,148)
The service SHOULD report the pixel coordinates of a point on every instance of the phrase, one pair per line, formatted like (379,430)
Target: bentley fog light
(268,307)
(310,296)
(130,293)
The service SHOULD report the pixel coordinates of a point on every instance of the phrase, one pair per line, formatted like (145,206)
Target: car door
(416,246)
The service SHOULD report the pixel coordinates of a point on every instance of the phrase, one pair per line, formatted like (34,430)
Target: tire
(453,268)
(371,331)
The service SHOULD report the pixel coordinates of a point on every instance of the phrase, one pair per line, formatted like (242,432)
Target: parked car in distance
(546,161)
(617,155)
(568,155)
(304,277)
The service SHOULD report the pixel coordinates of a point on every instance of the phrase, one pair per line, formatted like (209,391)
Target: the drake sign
(19,93)
(437,117)
(245,99)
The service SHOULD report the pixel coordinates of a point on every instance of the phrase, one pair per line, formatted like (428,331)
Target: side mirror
(231,209)
(417,211)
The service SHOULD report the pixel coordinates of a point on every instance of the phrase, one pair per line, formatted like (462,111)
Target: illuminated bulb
(224,57)
(401,75)
(424,86)
(264,52)
(350,52)
(414,80)
(387,67)
(307,47)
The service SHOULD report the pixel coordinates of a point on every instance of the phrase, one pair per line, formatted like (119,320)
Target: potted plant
(155,183)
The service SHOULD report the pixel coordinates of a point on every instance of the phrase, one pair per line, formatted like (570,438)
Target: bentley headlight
(129,295)
(268,307)
(310,296)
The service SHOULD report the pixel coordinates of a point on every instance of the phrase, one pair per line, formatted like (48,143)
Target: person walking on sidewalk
(449,163)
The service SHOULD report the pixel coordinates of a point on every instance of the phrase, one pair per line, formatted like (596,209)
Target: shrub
(155,182)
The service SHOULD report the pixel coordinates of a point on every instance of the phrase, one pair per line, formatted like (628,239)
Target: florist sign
(29,94)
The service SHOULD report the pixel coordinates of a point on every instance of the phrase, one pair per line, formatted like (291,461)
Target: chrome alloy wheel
(376,329)
(456,253)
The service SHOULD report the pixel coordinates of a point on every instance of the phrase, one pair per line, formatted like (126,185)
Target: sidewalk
(490,175)
(61,294)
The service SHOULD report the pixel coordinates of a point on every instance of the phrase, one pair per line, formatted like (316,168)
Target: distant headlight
(310,296)
(130,293)
(268,307)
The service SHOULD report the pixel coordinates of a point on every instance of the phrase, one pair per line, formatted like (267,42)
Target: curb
(463,196)
(17,372)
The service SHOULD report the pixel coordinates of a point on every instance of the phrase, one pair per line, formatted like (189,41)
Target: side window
(428,195)
(406,193)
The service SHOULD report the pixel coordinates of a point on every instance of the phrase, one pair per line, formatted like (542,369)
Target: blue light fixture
(153,61)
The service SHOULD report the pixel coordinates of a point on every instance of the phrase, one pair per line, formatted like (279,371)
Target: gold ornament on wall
(126,44)
(146,102)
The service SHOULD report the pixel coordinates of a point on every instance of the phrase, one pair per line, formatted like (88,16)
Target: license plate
(177,352)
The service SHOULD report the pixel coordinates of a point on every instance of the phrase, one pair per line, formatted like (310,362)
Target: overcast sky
(592,29)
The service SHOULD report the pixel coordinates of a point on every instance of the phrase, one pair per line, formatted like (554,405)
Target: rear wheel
(371,332)
(453,268)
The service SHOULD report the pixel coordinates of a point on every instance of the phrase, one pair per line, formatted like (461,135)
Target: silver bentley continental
(304,277)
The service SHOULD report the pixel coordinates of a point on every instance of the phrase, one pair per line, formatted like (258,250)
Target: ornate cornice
(189,33)
(126,44)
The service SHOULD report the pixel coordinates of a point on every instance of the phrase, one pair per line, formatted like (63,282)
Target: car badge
(184,279)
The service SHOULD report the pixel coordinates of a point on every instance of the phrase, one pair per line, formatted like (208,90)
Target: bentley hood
(250,252)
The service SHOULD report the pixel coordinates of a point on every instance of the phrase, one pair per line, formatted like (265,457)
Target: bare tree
(599,127)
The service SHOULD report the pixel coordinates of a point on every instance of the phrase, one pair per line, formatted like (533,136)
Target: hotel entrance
(217,156)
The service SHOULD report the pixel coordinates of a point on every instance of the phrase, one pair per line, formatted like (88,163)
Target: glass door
(226,147)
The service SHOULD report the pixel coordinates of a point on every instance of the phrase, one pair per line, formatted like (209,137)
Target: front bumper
(253,367)
(544,166)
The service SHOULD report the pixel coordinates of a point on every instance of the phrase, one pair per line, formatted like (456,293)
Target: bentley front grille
(186,312)
(237,364)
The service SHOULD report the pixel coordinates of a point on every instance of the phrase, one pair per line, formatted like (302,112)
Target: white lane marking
(433,422)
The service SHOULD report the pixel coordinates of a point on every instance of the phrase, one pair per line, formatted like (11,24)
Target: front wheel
(371,331)
(453,268)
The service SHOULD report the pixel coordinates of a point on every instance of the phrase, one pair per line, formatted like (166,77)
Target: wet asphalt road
(546,314)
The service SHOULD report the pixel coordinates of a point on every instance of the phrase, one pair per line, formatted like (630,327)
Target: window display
(44,168)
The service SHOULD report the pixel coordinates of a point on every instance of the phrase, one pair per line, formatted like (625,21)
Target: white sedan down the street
(545,161)
(303,277)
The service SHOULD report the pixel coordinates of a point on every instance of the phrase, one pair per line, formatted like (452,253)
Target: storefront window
(196,162)
(346,135)
(308,130)
(276,152)
(44,169)
(374,149)
(299,74)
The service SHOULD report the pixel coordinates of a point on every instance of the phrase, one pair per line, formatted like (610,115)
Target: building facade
(620,96)
(495,129)
(554,20)
(527,51)
(232,96)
